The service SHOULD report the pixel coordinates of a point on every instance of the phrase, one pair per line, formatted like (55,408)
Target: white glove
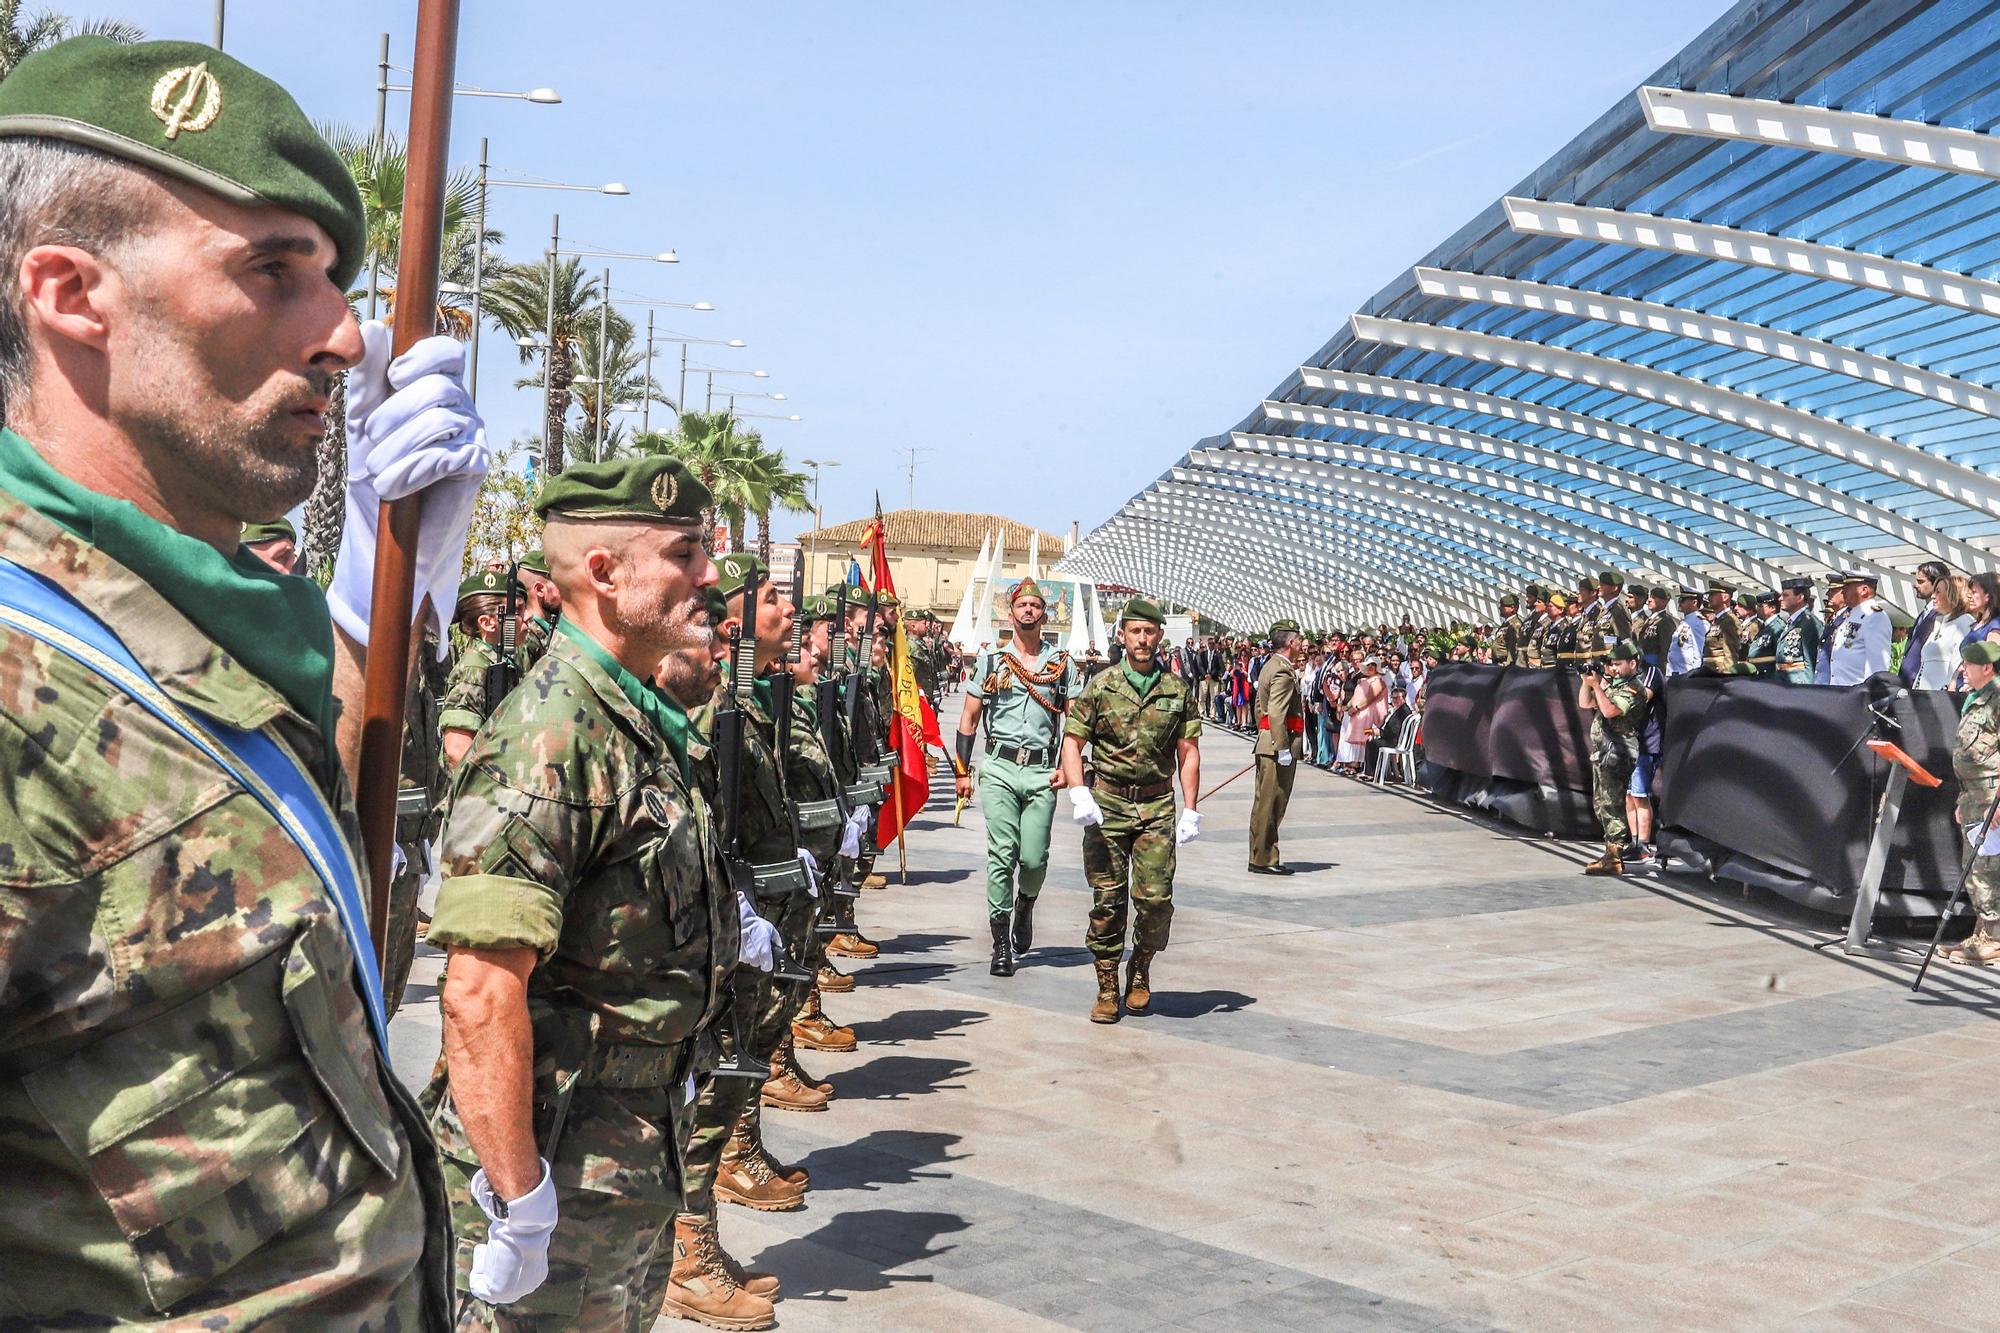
(850,836)
(760,938)
(810,864)
(1285,757)
(1083,807)
(1188,828)
(410,427)
(513,1260)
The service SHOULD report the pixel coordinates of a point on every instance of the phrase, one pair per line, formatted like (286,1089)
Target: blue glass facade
(1748,350)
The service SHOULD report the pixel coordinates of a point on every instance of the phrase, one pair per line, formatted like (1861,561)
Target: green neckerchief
(761,688)
(1965,704)
(275,624)
(548,626)
(668,718)
(1143,684)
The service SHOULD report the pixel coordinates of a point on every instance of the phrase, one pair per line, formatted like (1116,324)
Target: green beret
(887,601)
(1746,601)
(648,489)
(718,605)
(836,591)
(1138,608)
(1284,627)
(1983,651)
(734,570)
(192,113)
(1661,591)
(1508,599)
(1537,593)
(1468,641)
(817,607)
(482,581)
(1624,651)
(1610,578)
(269,532)
(535,562)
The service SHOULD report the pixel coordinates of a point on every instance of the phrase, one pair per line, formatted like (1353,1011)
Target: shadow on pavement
(1195,1004)
(895,1078)
(907,1025)
(957,876)
(917,942)
(889,975)
(882,1159)
(852,1252)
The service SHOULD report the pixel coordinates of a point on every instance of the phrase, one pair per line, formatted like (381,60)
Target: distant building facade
(932,554)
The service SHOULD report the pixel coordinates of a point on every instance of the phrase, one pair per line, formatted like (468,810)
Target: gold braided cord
(1013,668)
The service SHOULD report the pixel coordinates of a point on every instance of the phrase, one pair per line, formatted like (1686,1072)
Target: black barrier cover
(1773,771)
(1766,770)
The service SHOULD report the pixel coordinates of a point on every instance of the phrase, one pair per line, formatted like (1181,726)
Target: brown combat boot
(1138,985)
(1608,864)
(702,1287)
(849,944)
(875,881)
(1106,1008)
(747,1140)
(813,1030)
(789,1053)
(745,1177)
(833,981)
(786,1091)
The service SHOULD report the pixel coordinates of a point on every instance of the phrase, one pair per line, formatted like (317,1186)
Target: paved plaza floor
(1441,1080)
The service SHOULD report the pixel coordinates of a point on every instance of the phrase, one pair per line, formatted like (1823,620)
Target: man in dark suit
(1390,732)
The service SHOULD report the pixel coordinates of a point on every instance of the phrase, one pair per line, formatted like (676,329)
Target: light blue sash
(42,610)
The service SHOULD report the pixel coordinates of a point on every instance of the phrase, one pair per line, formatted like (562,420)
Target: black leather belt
(1146,792)
(1025,756)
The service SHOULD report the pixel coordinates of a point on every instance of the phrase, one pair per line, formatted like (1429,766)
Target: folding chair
(1403,751)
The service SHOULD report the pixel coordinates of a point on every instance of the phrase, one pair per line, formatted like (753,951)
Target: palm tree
(620,367)
(21,38)
(379,168)
(518,301)
(782,489)
(728,461)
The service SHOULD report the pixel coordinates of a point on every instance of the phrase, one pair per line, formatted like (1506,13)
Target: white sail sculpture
(962,624)
(995,580)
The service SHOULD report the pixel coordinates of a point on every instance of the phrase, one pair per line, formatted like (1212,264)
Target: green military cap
(1508,599)
(1283,627)
(818,606)
(1624,651)
(836,591)
(1610,578)
(269,532)
(1661,591)
(194,114)
(1468,641)
(482,581)
(535,562)
(1138,608)
(734,570)
(1537,593)
(648,489)
(1982,651)
(718,605)
(887,601)
(1745,600)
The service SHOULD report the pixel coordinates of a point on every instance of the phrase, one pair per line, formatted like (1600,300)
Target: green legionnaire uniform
(1799,637)
(1723,648)
(1975,762)
(200,1126)
(1614,753)
(1132,725)
(1510,643)
(1022,702)
(1281,726)
(538,630)
(1760,654)
(575,828)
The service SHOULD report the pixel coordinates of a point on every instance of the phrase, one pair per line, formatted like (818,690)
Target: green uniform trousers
(1267,808)
(1019,805)
(1982,886)
(1129,859)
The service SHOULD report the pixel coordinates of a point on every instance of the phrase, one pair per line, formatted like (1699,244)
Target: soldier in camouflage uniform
(1975,761)
(1141,726)
(1617,704)
(816,791)
(419,816)
(541,607)
(1723,648)
(1534,631)
(1509,641)
(861,678)
(199,1123)
(468,698)
(589,929)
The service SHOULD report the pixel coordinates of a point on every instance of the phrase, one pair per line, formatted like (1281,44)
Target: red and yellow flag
(913,724)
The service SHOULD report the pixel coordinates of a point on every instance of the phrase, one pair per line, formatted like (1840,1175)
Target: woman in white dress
(1940,651)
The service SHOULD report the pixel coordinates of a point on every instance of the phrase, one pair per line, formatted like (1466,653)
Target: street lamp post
(603,358)
(555,252)
(819,519)
(733,342)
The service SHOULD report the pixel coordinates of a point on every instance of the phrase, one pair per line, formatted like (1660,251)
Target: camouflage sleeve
(464,703)
(1190,718)
(1081,714)
(508,861)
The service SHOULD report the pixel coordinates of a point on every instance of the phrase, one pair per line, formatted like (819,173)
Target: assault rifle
(788,969)
(731,720)
(501,678)
(827,695)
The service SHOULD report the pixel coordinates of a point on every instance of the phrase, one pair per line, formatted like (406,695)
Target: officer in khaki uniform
(200,1126)
(1510,641)
(1281,725)
(1975,762)
(1723,648)
(589,928)
(1141,726)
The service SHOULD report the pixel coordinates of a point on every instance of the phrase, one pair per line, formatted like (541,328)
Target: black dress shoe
(1270,870)
(1024,925)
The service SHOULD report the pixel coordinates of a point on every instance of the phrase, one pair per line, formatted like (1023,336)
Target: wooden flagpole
(386,684)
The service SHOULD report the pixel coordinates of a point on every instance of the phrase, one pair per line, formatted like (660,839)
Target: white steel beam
(1170,557)
(1850,444)
(1820,129)
(1888,522)
(1612,226)
(1737,335)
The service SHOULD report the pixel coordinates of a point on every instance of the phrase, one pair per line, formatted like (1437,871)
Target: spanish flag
(913,725)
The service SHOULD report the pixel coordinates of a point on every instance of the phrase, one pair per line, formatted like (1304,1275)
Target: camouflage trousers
(411,836)
(1610,774)
(764,1011)
(1982,886)
(1129,859)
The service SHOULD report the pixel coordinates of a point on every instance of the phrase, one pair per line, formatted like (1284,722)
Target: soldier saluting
(200,1122)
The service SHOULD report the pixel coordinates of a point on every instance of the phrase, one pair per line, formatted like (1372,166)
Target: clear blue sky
(1053,244)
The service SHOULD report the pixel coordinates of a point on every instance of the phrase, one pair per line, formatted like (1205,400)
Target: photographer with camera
(1611,691)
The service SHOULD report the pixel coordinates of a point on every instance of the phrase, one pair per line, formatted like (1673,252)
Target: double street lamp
(556,251)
